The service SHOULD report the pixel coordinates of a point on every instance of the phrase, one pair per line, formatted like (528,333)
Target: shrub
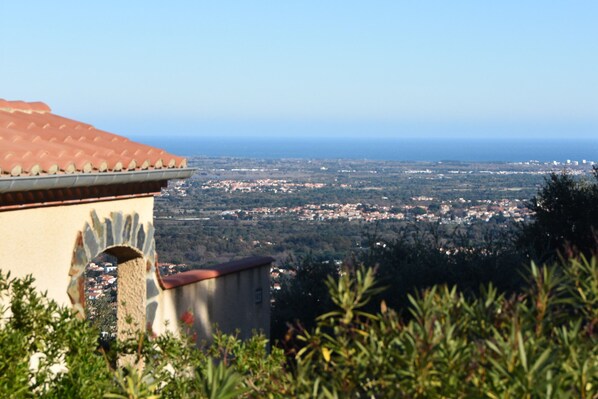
(538,344)
(45,350)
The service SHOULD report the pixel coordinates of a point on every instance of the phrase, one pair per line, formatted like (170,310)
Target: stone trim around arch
(118,230)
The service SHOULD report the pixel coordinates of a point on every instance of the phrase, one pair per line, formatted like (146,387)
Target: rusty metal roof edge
(28,183)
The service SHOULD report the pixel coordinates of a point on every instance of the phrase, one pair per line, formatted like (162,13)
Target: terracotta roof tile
(34,141)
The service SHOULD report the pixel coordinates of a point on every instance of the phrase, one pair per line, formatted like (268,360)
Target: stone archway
(133,245)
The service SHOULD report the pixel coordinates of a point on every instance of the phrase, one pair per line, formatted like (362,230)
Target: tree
(422,258)
(303,297)
(566,218)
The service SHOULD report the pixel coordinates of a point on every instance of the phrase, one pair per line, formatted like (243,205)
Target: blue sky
(309,68)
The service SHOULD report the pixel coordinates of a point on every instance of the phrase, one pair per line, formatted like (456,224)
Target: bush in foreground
(540,344)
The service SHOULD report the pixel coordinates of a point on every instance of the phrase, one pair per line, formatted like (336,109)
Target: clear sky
(507,68)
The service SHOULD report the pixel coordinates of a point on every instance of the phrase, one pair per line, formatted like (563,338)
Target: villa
(69,192)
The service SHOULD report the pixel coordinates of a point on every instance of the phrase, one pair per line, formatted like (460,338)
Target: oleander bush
(541,343)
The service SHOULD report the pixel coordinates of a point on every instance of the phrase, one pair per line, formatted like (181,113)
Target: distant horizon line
(357,138)
(498,149)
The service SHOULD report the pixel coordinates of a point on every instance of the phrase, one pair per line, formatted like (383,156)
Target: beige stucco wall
(40,241)
(229,301)
(131,297)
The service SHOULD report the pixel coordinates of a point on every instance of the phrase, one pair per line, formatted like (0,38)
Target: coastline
(464,150)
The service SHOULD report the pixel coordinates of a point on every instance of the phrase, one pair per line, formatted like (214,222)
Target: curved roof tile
(35,141)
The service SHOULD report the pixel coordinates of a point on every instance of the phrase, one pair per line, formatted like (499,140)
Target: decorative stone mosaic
(116,231)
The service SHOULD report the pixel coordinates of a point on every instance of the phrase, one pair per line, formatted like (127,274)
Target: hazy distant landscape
(288,208)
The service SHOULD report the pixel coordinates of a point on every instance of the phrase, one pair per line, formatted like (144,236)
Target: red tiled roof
(34,141)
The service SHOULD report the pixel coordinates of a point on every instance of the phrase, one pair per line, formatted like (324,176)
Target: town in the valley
(287,209)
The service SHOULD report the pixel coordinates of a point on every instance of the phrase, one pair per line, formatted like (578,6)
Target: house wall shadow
(230,297)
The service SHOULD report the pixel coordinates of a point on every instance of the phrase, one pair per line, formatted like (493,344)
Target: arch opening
(101,296)
(132,244)
(115,293)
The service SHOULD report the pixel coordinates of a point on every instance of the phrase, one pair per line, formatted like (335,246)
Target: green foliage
(303,297)
(221,383)
(47,352)
(104,317)
(541,343)
(132,384)
(44,348)
(566,218)
(421,258)
(538,344)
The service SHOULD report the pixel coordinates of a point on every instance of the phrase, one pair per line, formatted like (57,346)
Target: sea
(465,150)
